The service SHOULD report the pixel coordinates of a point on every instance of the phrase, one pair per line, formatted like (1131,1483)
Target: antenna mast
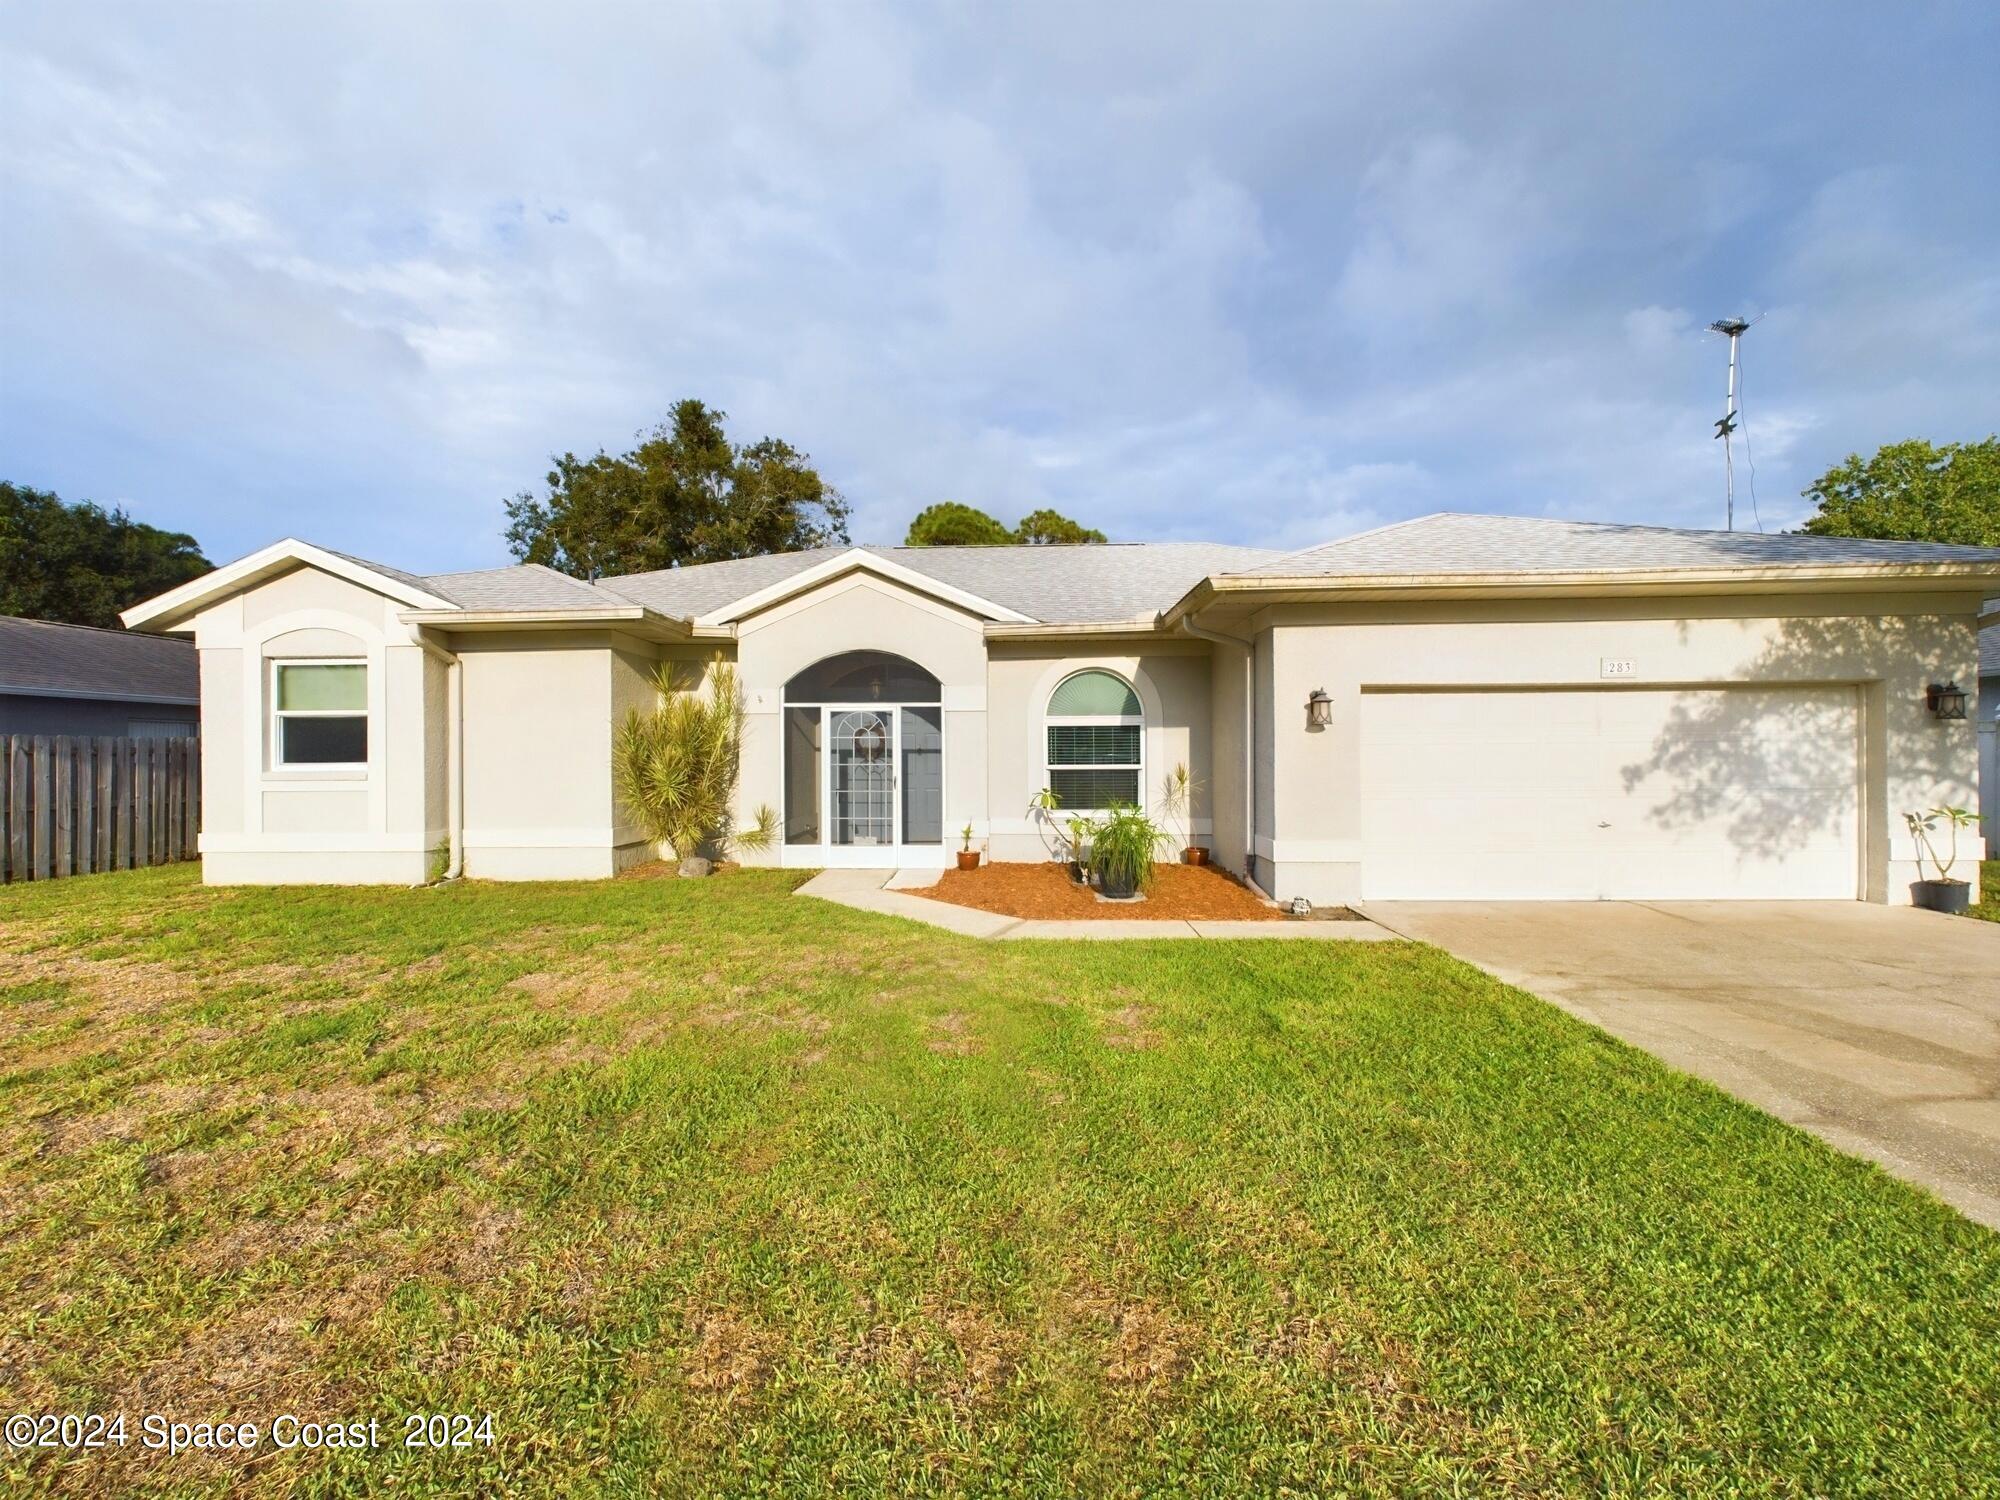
(1726,428)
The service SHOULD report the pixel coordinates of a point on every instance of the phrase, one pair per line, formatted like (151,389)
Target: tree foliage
(1913,491)
(684,494)
(81,564)
(1040,528)
(950,524)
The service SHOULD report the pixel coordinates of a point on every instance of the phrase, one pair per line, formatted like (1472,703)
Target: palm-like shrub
(675,766)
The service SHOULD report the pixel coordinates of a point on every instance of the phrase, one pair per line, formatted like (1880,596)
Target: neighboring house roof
(45,660)
(1451,543)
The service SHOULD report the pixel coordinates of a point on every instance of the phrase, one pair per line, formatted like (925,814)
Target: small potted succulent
(1122,847)
(968,857)
(1177,794)
(1944,893)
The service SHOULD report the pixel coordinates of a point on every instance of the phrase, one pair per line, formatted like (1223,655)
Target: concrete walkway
(887,892)
(1876,1028)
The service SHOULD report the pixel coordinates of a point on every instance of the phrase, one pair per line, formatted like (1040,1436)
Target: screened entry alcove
(864,763)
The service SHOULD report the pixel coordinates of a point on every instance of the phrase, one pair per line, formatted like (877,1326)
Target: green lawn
(1989,892)
(699,1188)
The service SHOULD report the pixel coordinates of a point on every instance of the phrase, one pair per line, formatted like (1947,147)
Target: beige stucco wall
(539,712)
(1229,698)
(262,824)
(1172,679)
(1888,646)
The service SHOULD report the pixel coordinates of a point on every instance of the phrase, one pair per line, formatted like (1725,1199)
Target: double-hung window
(1095,732)
(319,715)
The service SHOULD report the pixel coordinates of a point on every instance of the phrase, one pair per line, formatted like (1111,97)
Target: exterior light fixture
(1945,700)
(1319,709)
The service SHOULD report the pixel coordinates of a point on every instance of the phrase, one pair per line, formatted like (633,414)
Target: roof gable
(853,560)
(169,610)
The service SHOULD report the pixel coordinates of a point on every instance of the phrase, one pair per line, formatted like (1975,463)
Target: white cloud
(1256,275)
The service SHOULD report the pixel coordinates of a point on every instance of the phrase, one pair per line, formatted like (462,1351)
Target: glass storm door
(861,778)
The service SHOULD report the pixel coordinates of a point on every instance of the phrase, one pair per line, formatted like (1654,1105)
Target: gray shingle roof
(1083,584)
(1526,544)
(1120,581)
(79,661)
(695,590)
(411,580)
(527,586)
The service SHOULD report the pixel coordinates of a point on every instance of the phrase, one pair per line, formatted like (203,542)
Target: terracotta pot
(1194,856)
(968,859)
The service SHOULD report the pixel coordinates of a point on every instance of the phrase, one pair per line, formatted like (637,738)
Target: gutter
(650,621)
(1304,587)
(1040,631)
(12,691)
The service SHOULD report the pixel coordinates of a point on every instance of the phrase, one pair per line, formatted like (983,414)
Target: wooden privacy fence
(75,805)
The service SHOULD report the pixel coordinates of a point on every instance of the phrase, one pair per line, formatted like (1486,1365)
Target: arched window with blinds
(1095,735)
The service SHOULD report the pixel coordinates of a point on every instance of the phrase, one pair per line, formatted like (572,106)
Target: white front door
(863,825)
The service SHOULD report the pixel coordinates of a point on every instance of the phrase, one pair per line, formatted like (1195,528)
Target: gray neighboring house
(76,679)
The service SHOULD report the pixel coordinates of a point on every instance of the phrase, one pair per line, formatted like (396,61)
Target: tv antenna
(1732,419)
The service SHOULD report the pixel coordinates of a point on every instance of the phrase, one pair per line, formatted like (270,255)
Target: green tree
(1040,528)
(949,524)
(81,564)
(684,494)
(1913,492)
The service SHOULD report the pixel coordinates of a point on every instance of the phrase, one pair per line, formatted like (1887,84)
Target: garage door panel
(1741,792)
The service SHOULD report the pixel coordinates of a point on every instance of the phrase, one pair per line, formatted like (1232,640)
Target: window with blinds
(1096,736)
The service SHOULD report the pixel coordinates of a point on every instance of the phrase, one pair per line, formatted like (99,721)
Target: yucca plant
(675,765)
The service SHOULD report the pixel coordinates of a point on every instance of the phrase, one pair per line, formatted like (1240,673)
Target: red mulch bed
(1044,890)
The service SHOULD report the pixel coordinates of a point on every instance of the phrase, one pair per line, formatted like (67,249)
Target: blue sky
(1258,273)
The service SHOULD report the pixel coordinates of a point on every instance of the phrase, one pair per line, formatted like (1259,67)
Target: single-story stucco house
(1459,706)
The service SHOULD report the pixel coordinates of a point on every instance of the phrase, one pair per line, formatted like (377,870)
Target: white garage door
(1611,794)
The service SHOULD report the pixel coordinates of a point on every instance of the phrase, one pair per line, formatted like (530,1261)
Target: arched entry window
(1096,732)
(863,677)
(864,757)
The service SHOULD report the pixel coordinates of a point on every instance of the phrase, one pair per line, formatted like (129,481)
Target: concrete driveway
(1876,1028)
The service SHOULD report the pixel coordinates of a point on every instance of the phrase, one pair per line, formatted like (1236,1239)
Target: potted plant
(968,857)
(1122,847)
(1177,794)
(1944,893)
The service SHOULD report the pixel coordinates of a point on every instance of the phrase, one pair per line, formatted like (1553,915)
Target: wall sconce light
(1945,700)
(1319,709)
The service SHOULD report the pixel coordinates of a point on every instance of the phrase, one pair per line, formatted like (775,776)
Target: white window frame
(1137,720)
(275,716)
